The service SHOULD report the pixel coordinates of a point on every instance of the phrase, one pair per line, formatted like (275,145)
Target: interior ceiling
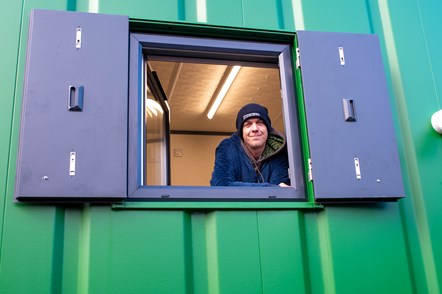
(189,88)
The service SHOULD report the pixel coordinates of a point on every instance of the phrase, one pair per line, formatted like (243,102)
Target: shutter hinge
(310,168)
(298,58)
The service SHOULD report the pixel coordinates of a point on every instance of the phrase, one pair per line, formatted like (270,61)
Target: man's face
(254,133)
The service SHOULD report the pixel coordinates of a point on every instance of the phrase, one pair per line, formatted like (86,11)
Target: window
(174,80)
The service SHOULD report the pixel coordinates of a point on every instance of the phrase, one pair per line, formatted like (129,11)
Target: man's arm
(280,170)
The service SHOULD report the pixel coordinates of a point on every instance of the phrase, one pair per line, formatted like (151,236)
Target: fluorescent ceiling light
(224,89)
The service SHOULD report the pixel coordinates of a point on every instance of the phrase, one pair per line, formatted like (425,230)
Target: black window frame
(244,50)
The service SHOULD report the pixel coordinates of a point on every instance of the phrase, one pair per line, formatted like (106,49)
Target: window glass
(155,152)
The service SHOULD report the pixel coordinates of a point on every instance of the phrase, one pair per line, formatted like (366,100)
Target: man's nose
(254,127)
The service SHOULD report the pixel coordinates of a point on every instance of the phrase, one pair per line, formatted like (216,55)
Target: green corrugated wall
(362,248)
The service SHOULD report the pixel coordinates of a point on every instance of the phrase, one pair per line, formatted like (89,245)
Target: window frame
(280,53)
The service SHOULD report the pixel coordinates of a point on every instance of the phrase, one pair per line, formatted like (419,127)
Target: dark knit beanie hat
(250,111)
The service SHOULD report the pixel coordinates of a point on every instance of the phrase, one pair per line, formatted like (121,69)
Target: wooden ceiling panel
(190,87)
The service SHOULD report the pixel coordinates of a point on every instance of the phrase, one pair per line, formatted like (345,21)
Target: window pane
(155,168)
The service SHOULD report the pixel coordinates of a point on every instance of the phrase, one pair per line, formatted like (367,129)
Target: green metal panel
(336,16)
(8,73)
(275,15)
(415,88)
(360,250)
(165,10)
(28,250)
(225,13)
(282,244)
(233,248)
(356,249)
(138,251)
(364,248)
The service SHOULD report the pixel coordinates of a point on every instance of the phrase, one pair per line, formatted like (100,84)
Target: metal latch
(341,55)
(72,158)
(298,58)
(310,170)
(78,38)
(357,168)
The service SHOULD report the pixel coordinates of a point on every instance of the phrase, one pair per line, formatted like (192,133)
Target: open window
(173,129)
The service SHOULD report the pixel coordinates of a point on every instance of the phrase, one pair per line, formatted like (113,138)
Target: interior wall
(192,158)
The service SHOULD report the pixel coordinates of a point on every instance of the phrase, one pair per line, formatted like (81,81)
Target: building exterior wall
(388,247)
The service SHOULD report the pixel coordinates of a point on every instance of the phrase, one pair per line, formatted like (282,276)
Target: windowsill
(191,197)
(173,204)
(217,193)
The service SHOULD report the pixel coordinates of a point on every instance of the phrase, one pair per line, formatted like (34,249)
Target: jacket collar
(275,143)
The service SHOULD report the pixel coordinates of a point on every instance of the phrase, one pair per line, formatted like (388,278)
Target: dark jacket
(234,167)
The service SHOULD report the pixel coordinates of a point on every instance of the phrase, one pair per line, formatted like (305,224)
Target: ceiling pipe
(174,79)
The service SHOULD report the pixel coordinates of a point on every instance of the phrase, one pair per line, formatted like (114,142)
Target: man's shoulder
(230,144)
(232,140)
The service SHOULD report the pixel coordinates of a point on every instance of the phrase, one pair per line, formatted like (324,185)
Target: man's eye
(260,122)
(247,125)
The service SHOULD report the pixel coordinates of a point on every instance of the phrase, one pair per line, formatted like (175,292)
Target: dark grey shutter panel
(352,142)
(73,138)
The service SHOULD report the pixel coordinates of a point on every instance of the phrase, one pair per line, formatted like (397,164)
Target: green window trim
(172,197)
(280,205)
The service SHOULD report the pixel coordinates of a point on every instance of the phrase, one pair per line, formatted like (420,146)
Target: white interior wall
(192,158)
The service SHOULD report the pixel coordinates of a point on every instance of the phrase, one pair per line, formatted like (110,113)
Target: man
(256,155)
